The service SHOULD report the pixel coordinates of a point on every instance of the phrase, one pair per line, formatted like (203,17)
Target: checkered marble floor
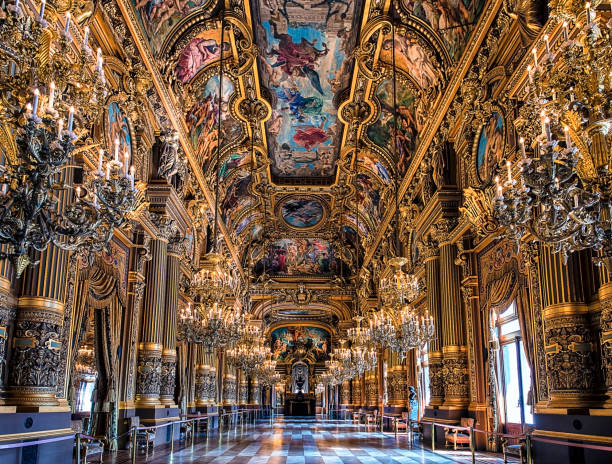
(306,441)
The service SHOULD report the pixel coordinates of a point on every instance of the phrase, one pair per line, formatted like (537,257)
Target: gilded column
(243,389)
(345,396)
(371,382)
(168,376)
(356,391)
(254,392)
(605,302)
(148,382)
(454,349)
(35,366)
(573,368)
(431,257)
(201,379)
(7,311)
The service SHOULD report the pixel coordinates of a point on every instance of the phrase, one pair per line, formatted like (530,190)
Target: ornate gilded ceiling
(304,83)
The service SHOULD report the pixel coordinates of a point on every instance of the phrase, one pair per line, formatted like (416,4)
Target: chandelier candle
(51,95)
(70,119)
(42,9)
(35,103)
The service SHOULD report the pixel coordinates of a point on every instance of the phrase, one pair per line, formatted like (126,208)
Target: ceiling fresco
(302,213)
(300,342)
(303,64)
(291,69)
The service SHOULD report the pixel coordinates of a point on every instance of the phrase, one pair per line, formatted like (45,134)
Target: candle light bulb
(42,9)
(70,118)
(568,138)
(100,160)
(51,94)
(35,102)
(78,193)
(535,57)
(566,30)
(67,27)
(86,38)
(60,126)
(547,43)
(509,167)
(117,149)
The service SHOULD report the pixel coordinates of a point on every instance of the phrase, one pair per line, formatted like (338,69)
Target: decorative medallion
(490,146)
(302,212)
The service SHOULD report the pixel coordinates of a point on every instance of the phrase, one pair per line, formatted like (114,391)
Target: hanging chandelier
(266,373)
(382,329)
(214,281)
(250,351)
(44,83)
(397,287)
(413,331)
(563,197)
(335,371)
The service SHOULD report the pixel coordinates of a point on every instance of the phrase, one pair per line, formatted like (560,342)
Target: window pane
(510,310)
(511,379)
(509,327)
(526,374)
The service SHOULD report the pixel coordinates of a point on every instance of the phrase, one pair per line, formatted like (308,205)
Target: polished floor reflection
(305,441)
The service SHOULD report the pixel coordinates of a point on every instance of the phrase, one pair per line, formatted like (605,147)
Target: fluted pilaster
(572,362)
(168,380)
(431,253)
(148,382)
(35,365)
(454,349)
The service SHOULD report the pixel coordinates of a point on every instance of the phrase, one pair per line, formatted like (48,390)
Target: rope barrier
(37,442)
(577,445)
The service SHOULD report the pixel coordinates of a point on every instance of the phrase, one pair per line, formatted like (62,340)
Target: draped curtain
(98,290)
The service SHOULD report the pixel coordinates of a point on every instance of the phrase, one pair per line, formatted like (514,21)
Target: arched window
(515,381)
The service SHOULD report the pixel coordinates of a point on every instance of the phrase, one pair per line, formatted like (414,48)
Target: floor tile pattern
(305,441)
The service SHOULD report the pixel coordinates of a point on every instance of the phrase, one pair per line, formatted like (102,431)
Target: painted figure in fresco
(376,167)
(234,161)
(196,55)
(157,12)
(418,62)
(298,105)
(334,7)
(490,146)
(118,128)
(302,212)
(297,59)
(311,136)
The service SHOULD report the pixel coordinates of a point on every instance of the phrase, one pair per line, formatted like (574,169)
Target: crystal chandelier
(250,352)
(359,336)
(335,371)
(213,282)
(266,373)
(397,286)
(382,329)
(213,325)
(564,196)
(413,331)
(43,82)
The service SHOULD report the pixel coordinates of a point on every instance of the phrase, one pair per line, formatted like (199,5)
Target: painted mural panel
(236,197)
(408,124)
(200,52)
(118,128)
(454,20)
(363,229)
(300,342)
(293,256)
(302,212)
(411,56)
(375,166)
(490,148)
(202,119)
(158,17)
(304,62)
(233,162)
(368,198)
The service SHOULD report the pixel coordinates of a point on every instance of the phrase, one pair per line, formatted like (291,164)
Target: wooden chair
(357,416)
(518,450)
(459,437)
(372,418)
(402,423)
(144,438)
(416,430)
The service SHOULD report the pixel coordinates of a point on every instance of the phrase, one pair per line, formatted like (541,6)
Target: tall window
(515,372)
(425,375)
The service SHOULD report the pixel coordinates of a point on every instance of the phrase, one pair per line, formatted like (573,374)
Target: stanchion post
(172,438)
(78,448)
(472,447)
(193,430)
(134,444)
(528,446)
(433,436)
